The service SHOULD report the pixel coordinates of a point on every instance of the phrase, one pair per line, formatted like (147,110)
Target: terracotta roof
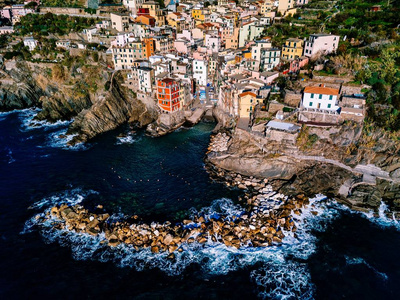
(145,16)
(321,90)
(247,93)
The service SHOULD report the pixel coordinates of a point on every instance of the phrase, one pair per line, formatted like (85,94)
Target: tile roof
(247,93)
(321,90)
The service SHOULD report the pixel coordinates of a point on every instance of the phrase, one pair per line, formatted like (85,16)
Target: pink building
(321,43)
(182,45)
(298,64)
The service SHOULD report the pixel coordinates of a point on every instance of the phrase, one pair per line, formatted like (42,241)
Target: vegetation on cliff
(43,25)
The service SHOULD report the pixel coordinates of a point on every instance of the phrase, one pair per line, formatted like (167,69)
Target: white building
(320,97)
(145,79)
(321,43)
(200,73)
(256,49)
(248,32)
(132,5)
(270,58)
(213,43)
(31,43)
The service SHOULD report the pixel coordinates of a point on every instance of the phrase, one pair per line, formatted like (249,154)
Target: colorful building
(148,47)
(292,49)
(247,101)
(197,14)
(168,95)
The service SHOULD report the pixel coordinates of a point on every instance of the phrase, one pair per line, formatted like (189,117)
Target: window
(312,96)
(329,106)
(320,96)
(310,104)
(330,97)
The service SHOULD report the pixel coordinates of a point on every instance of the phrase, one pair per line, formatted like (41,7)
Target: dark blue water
(344,256)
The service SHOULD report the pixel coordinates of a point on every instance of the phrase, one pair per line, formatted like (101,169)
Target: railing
(318,110)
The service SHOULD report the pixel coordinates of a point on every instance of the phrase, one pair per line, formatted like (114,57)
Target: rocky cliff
(18,87)
(357,166)
(76,88)
(115,107)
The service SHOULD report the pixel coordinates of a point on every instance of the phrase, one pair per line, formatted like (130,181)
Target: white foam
(385,217)
(60,139)
(70,197)
(284,280)
(282,275)
(28,123)
(130,138)
(361,261)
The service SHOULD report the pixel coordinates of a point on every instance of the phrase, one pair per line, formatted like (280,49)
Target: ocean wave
(361,261)
(70,197)
(4,114)
(284,280)
(129,139)
(281,273)
(385,217)
(60,139)
(28,121)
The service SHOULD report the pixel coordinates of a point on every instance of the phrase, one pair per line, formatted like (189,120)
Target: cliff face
(74,90)
(18,88)
(112,109)
(358,168)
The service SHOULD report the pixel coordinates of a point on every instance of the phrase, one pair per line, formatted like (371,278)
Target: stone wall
(332,79)
(318,118)
(351,117)
(350,89)
(275,106)
(351,102)
(281,136)
(74,11)
(292,98)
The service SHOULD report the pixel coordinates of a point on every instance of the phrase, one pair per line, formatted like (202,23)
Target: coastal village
(213,149)
(193,56)
(297,111)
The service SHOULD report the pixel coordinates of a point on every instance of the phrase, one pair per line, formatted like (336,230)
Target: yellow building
(247,101)
(197,14)
(266,7)
(292,49)
(155,12)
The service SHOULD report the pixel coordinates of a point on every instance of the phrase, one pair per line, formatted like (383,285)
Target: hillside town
(212,149)
(192,55)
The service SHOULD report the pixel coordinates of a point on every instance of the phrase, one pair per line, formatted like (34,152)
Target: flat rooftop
(283,126)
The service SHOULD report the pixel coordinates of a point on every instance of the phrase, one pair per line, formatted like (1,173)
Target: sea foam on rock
(262,225)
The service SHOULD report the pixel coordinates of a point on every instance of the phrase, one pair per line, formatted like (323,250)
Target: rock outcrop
(18,87)
(344,162)
(115,107)
(166,123)
(73,92)
(268,219)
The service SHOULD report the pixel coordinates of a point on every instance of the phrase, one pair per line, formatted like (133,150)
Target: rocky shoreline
(265,222)
(360,179)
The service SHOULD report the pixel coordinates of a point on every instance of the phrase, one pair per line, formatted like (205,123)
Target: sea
(337,254)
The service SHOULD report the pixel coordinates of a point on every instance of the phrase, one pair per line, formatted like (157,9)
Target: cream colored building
(285,5)
(123,57)
(247,101)
(120,21)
